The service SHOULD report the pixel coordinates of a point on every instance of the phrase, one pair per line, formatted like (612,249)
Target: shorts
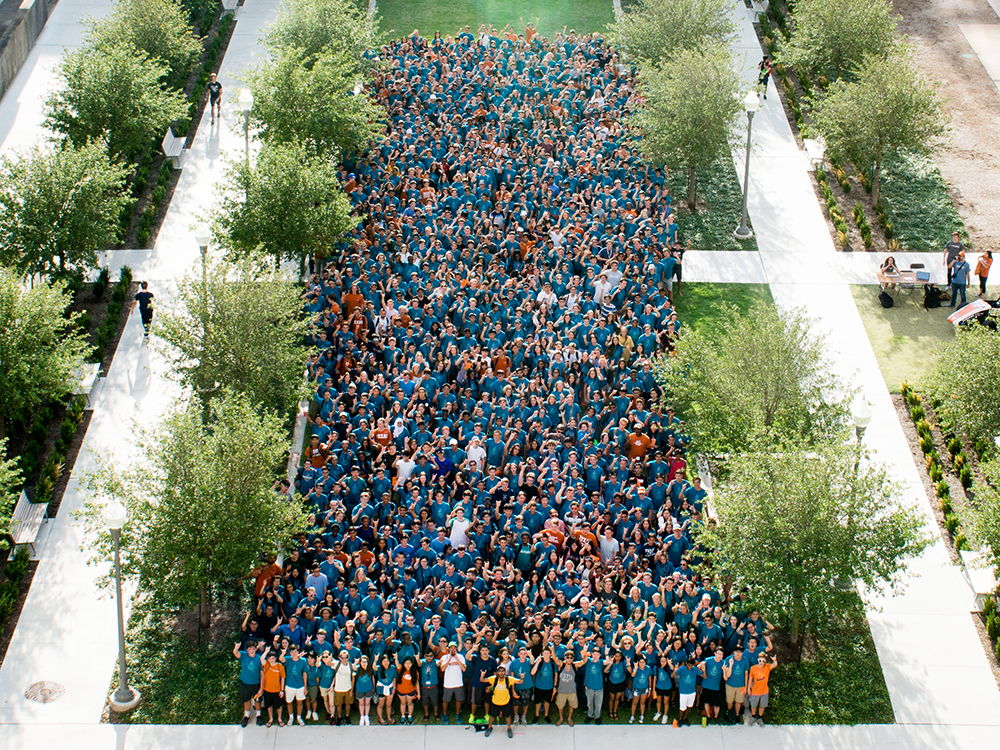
(543,696)
(478,696)
(677,271)
(524,697)
(272,700)
(407,695)
(295,694)
(430,696)
(664,692)
(615,688)
(687,701)
(366,694)
(640,693)
(341,699)
(668,284)
(499,712)
(734,694)
(710,698)
(312,692)
(758,701)
(147,317)
(563,698)
(248,692)
(457,694)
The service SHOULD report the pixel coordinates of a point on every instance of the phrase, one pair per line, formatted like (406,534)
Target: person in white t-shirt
(476,453)
(458,525)
(453,681)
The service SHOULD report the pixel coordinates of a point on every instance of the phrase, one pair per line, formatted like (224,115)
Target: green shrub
(965,477)
(992,626)
(8,598)
(954,446)
(951,522)
(961,543)
(942,488)
(912,398)
(989,606)
(83,321)
(67,430)
(17,566)
(946,506)
(917,413)
(998,650)
(923,427)
(926,445)
(936,474)
(101,284)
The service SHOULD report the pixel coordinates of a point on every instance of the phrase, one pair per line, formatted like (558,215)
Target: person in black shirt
(144,299)
(215,97)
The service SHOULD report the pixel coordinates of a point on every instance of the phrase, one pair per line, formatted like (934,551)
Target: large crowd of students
(505,522)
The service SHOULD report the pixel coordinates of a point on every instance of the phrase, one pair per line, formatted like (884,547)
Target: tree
(59,207)
(290,204)
(986,509)
(200,503)
(833,37)
(113,93)
(310,99)
(689,109)
(755,380)
(159,28)
(790,523)
(966,382)
(313,26)
(240,325)
(887,108)
(40,345)
(654,31)
(10,484)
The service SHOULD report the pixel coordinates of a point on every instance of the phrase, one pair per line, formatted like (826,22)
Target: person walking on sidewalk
(960,272)
(215,97)
(757,687)
(764,74)
(144,299)
(983,270)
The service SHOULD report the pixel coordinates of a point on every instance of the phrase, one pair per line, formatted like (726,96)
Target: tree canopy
(314,26)
(10,483)
(833,37)
(160,28)
(888,107)
(653,32)
(40,345)
(986,509)
(240,325)
(116,94)
(688,110)
(59,207)
(966,381)
(756,380)
(289,205)
(199,500)
(791,522)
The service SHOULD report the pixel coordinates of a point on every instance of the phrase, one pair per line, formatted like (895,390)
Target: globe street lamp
(246,104)
(125,698)
(751,103)
(861,415)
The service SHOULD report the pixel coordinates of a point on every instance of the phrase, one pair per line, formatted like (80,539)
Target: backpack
(885,299)
(932,296)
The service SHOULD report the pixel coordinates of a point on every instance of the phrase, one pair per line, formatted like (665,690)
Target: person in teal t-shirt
(544,678)
(250,664)
(641,675)
(430,696)
(664,684)
(324,677)
(687,687)
(520,668)
(295,684)
(593,686)
(711,700)
(734,672)
(312,689)
(617,670)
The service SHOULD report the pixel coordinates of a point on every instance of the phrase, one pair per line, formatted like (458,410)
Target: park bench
(229,6)
(82,381)
(26,522)
(172,147)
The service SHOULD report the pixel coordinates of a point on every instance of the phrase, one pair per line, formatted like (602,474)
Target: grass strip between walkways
(697,304)
(401,17)
(921,208)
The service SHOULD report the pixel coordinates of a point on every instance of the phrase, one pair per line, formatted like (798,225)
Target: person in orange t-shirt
(757,687)
(272,687)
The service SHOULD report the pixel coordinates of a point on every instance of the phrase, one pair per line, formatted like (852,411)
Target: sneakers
(642,718)
(760,722)
(489,731)
(631,720)
(245,721)
(547,719)
(458,719)
(444,719)
(664,720)
(510,733)
(261,721)
(599,720)
(656,716)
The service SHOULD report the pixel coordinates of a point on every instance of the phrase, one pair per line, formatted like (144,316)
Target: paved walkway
(67,634)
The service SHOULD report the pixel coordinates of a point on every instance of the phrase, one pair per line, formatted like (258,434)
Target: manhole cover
(45,692)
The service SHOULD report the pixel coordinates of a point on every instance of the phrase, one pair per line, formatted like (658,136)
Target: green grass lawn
(921,209)
(448,16)
(720,202)
(905,335)
(696,307)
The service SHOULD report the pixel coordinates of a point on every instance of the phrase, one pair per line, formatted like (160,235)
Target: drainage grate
(45,692)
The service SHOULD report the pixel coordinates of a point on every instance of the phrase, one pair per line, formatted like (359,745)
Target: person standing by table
(951,251)
(983,270)
(959,271)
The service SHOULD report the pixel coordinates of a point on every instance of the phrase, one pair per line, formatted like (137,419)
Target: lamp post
(246,104)
(125,698)
(861,416)
(751,103)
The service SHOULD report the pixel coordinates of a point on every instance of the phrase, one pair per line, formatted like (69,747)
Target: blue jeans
(957,289)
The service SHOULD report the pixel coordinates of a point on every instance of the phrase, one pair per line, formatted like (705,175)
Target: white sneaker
(664,719)
(631,720)
(300,721)
(656,716)
(642,718)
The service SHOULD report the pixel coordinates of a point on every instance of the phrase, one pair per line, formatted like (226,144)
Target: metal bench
(82,381)
(26,522)
(229,6)
(172,147)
